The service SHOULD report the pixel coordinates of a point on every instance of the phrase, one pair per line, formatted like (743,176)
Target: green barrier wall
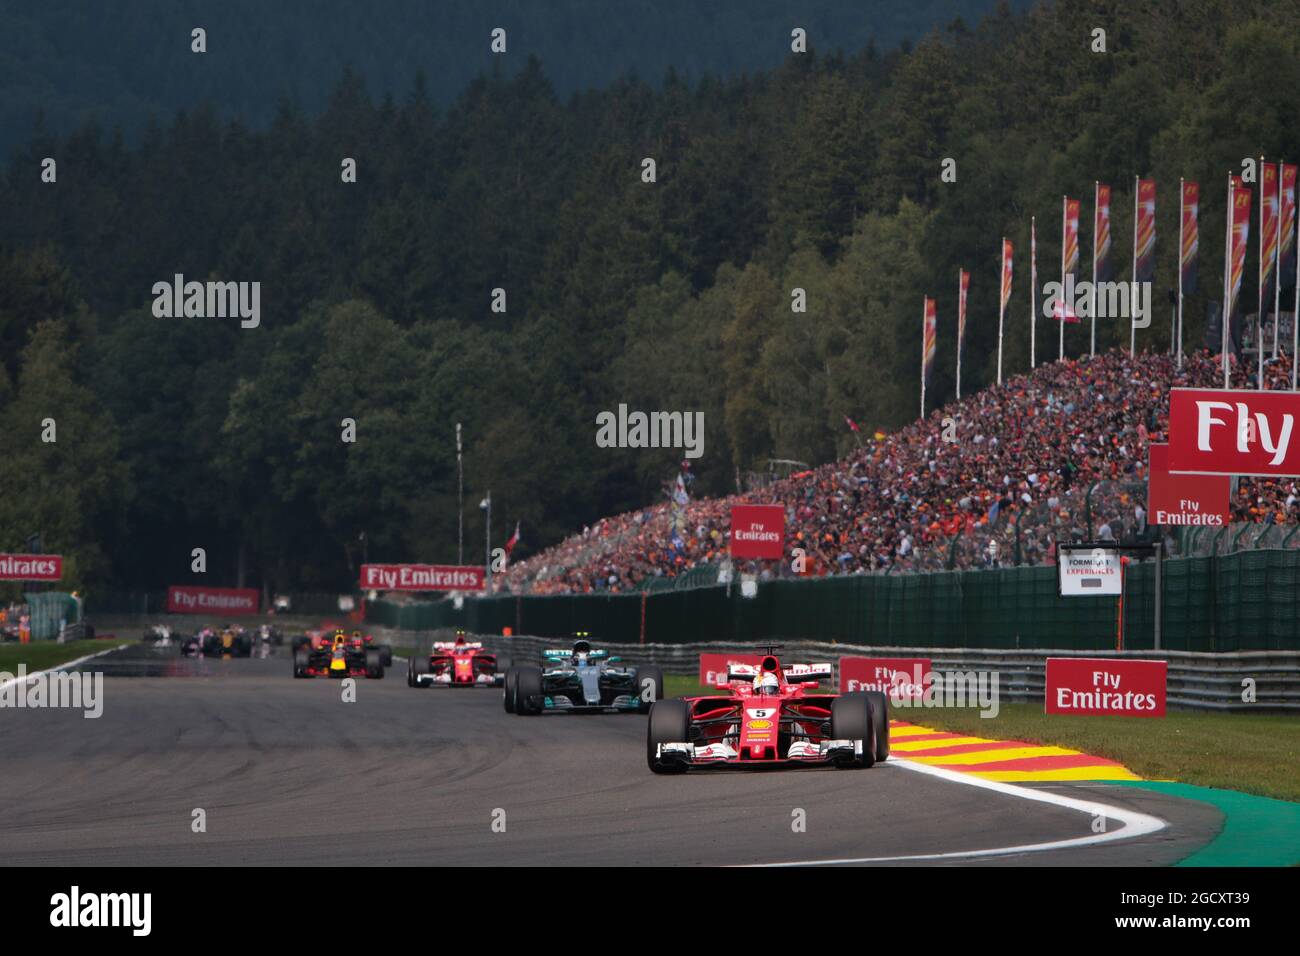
(1236,602)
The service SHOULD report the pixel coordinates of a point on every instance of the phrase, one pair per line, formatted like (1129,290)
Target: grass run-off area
(1252,753)
(39,655)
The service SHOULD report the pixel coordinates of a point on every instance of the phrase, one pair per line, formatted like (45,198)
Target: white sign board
(1090,572)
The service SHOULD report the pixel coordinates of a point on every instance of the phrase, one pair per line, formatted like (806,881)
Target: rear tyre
(301,659)
(879,722)
(651,680)
(669,723)
(528,687)
(851,720)
(386,651)
(374,663)
(509,693)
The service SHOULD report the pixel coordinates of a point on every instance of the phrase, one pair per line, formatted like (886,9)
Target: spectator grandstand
(1056,454)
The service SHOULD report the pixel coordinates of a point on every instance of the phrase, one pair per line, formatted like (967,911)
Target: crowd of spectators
(1013,470)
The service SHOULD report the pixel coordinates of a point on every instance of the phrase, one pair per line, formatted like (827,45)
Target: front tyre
(669,723)
(851,720)
(528,690)
(879,721)
(509,690)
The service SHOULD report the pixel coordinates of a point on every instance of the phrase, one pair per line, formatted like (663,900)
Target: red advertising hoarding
(422,577)
(884,674)
(1100,686)
(31,567)
(187,599)
(1233,432)
(713,667)
(1184,499)
(757,531)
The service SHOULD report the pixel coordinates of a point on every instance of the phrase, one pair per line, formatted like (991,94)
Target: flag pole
(1132,322)
(460,500)
(1277,260)
(1259,285)
(1060,348)
(1002,300)
(960,316)
(1182,215)
(1033,295)
(1227,281)
(1092,301)
(922,358)
(1295,316)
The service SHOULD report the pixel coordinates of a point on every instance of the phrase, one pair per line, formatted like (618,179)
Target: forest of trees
(821,174)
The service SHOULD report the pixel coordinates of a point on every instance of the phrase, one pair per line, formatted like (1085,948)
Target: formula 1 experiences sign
(1102,686)
(1087,572)
(31,567)
(1226,432)
(185,599)
(906,674)
(757,531)
(1184,499)
(713,667)
(422,577)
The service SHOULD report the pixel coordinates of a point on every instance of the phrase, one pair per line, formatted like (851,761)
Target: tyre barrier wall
(1249,601)
(1196,681)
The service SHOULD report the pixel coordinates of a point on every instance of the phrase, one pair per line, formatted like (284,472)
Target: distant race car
(230,641)
(769,715)
(270,634)
(192,645)
(340,656)
(324,636)
(458,663)
(160,635)
(581,680)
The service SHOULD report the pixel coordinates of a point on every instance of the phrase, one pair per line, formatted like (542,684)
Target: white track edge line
(58,667)
(1135,824)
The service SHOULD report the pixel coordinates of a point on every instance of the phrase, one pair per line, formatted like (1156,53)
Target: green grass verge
(675,686)
(39,655)
(1251,753)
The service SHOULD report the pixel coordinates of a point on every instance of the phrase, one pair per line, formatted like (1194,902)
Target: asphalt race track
(289,774)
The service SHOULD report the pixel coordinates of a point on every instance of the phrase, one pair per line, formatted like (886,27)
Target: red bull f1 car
(769,715)
(340,656)
(325,634)
(460,663)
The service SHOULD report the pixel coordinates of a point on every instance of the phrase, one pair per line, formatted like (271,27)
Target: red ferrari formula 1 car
(340,656)
(769,715)
(460,664)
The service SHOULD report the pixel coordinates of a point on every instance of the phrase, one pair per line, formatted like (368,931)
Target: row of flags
(1277,265)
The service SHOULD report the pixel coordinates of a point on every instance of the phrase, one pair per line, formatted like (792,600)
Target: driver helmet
(580,651)
(767,684)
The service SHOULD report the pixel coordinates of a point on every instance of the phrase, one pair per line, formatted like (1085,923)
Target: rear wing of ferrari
(807,673)
(451,646)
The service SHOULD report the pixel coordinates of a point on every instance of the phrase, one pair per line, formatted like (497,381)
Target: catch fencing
(1247,601)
